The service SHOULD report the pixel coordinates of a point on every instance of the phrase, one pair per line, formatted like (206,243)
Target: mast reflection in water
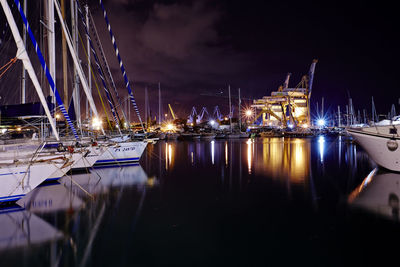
(244,202)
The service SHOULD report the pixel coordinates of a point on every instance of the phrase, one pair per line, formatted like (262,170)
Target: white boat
(122,153)
(381,143)
(20,176)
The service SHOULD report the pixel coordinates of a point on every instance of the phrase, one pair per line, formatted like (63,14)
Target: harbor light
(290,126)
(321,122)
(58,116)
(305,126)
(212,122)
(170,127)
(249,113)
(96,123)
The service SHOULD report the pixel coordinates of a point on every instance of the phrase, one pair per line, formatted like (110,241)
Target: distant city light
(321,122)
(249,112)
(226,118)
(212,122)
(305,126)
(58,116)
(170,127)
(290,126)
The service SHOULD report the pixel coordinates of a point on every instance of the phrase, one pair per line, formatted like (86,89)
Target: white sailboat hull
(89,158)
(122,153)
(16,180)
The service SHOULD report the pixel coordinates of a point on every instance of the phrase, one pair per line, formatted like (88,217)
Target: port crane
(288,104)
(172,112)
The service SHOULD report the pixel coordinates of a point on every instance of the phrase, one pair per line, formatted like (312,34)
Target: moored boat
(381,143)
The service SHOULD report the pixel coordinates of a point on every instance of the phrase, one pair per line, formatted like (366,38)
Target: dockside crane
(172,112)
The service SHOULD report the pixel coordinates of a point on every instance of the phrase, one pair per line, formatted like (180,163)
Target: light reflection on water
(83,212)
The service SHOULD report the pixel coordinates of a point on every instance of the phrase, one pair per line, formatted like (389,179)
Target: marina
(232,202)
(225,149)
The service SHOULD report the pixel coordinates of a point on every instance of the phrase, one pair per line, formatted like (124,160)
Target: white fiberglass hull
(73,158)
(122,153)
(376,145)
(89,158)
(16,180)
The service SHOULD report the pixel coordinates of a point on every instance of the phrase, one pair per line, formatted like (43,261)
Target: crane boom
(172,112)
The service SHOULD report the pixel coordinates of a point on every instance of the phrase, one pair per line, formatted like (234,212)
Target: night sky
(195,47)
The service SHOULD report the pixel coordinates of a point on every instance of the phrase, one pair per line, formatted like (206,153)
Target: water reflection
(285,158)
(379,193)
(321,146)
(212,151)
(51,198)
(20,228)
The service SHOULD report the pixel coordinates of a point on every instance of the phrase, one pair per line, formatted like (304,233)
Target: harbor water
(247,202)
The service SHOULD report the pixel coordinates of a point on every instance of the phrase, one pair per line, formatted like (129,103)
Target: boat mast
(88,112)
(51,43)
(159,103)
(23,56)
(230,107)
(76,95)
(146,107)
(65,63)
(240,114)
(76,63)
(23,77)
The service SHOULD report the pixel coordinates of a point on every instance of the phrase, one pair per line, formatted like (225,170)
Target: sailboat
(24,166)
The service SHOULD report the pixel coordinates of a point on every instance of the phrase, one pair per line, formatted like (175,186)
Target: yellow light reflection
(283,158)
(249,155)
(170,154)
(166,156)
(226,153)
(212,151)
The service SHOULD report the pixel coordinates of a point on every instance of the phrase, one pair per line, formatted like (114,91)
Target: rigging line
(126,80)
(12,61)
(9,66)
(98,43)
(101,73)
(95,83)
(102,54)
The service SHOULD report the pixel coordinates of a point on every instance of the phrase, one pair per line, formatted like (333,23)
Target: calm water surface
(262,202)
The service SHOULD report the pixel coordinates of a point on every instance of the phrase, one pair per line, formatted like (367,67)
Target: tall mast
(159,103)
(76,94)
(339,122)
(88,112)
(240,114)
(230,108)
(146,107)
(51,42)
(64,62)
(23,77)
